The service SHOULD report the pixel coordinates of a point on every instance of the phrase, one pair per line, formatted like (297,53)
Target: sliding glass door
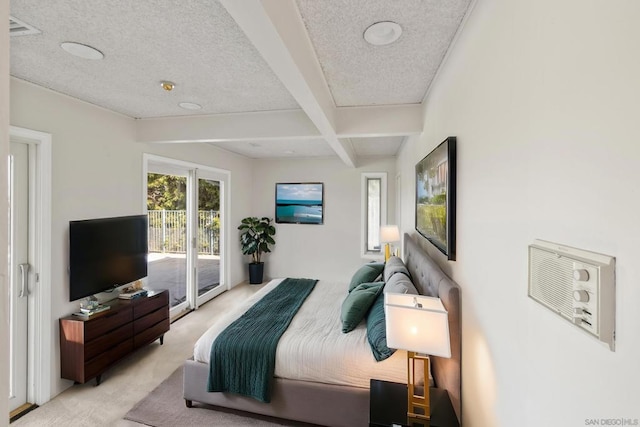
(167,211)
(186,208)
(209,233)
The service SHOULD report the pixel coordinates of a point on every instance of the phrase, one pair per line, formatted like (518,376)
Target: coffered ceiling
(274,78)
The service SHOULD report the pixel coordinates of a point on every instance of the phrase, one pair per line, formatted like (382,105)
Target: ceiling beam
(351,122)
(276,30)
(379,120)
(289,124)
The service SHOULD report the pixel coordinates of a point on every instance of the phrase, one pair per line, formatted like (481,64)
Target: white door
(209,269)
(19,272)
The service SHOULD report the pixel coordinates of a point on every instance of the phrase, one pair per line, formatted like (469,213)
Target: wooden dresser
(88,347)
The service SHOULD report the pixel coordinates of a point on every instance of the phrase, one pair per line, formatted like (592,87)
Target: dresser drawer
(108,340)
(149,320)
(93,328)
(98,365)
(151,334)
(149,304)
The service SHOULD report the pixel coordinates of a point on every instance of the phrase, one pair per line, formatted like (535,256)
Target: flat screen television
(105,253)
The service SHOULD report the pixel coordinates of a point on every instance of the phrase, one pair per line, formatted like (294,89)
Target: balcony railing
(168,232)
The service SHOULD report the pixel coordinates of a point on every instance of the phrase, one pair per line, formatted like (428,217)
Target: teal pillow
(366,274)
(377,330)
(357,303)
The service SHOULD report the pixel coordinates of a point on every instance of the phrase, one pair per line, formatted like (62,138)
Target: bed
(326,392)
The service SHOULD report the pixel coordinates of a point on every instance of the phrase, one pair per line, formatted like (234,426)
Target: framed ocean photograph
(300,203)
(436,197)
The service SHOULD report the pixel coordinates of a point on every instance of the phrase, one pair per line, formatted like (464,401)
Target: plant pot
(256,271)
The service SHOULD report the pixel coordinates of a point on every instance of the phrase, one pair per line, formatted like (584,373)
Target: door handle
(24,274)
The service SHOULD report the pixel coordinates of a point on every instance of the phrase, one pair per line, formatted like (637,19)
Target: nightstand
(388,406)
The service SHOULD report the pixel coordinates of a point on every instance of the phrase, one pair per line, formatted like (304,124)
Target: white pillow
(393,266)
(400,284)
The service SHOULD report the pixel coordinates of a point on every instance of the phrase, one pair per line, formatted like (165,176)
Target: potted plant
(255,239)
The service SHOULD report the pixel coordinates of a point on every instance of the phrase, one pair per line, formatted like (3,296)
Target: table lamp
(418,324)
(389,234)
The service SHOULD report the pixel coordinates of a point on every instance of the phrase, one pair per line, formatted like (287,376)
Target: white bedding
(314,348)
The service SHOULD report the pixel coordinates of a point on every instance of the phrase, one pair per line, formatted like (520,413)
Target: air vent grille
(19,28)
(551,280)
(576,284)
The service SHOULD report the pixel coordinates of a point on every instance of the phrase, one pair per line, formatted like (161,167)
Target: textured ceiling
(195,44)
(400,73)
(246,56)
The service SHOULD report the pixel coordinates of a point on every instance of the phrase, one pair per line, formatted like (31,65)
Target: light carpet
(165,407)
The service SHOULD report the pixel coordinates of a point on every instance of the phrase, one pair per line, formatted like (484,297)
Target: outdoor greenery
(439,199)
(432,220)
(256,236)
(166,205)
(170,192)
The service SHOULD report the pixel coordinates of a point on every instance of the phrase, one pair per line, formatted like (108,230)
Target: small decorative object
(256,237)
(135,290)
(300,203)
(418,324)
(436,197)
(389,234)
(89,304)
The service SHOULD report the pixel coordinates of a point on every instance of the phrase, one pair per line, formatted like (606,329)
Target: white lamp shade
(422,329)
(389,234)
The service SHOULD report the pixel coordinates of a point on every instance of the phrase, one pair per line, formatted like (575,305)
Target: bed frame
(343,406)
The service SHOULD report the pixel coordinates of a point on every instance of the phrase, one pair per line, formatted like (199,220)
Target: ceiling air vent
(19,28)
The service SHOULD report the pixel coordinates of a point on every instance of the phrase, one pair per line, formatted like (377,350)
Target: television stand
(90,346)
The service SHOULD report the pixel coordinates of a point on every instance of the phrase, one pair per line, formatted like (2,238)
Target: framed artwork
(300,203)
(436,197)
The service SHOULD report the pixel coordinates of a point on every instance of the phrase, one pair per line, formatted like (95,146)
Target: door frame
(41,328)
(225,208)
(209,174)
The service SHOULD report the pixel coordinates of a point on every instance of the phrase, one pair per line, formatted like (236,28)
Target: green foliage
(170,192)
(256,236)
(432,219)
(166,192)
(215,224)
(208,195)
(439,199)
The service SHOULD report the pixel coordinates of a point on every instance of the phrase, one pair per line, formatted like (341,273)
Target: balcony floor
(168,271)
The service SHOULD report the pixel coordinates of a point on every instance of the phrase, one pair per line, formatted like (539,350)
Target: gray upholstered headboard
(431,280)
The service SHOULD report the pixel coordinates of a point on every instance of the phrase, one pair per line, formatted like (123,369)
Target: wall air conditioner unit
(576,284)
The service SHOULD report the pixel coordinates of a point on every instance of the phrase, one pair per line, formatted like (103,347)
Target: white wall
(97,172)
(4,151)
(327,251)
(544,99)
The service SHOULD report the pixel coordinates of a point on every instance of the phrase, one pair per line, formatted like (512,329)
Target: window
(374,212)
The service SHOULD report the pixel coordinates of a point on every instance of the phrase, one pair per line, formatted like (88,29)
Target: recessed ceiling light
(82,50)
(289,152)
(382,33)
(190,106)
(167,85)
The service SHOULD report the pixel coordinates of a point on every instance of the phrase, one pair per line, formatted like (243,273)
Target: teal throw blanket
(243,356)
